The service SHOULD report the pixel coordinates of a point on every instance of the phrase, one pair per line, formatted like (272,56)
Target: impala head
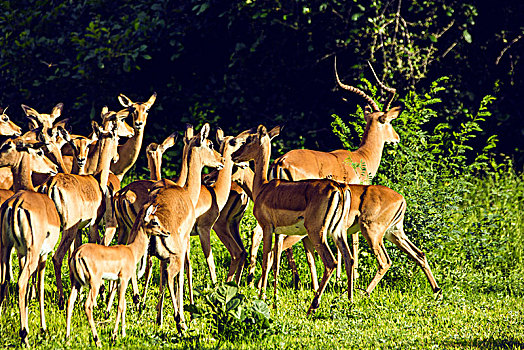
(201,146)
(108,131)
(124,129)
(376,119)
(154,151)
(139,110)
(152,224)
(252,142)
(382,122)
(12,151)
(79,144)
(7,127)
(47,120)
(227,144)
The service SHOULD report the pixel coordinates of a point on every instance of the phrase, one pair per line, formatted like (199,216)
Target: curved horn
(356,90)
(392,91)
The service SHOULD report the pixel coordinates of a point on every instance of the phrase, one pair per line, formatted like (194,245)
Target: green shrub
(230,314)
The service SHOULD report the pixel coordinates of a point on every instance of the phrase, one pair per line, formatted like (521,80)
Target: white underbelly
(47,247)
(110,276)
(297,229)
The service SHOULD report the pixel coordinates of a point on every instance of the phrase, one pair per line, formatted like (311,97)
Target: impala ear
(261,131)
(188,133)
(124,100)
(64,133)
(30,112)
(57,111)
(393,113)
(204,133)
(220,136)
(275,131)
(151,100)
(169,141)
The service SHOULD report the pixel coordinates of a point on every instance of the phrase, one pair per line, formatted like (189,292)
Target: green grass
(477,260)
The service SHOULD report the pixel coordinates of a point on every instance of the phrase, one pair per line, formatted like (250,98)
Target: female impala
(313,207)
(91,263)
(30,224)
(176,213)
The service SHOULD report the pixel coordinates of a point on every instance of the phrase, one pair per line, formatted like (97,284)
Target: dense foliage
(240,63)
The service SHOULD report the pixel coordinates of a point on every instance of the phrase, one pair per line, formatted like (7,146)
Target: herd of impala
(55,183)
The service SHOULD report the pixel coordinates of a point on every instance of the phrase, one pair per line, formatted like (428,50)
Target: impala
(176,213)
(130,150)
(91,263)
(44,128)
(29,223)
(7,127)
(132,197)
(376,211)
(82,200)
(352,167)
(313,207)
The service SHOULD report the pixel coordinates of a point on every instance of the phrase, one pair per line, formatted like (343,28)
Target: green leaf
(467,36)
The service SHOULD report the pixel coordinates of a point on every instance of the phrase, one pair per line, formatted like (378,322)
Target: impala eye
(39,152)
(5,118)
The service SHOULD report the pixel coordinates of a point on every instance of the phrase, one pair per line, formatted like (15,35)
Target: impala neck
(128,152)
(154,169)
(222,185)
(370,149)
(182,178)
(22,174)
(104,160)
(194,177)
(245,181)
(139,244)
(261,167)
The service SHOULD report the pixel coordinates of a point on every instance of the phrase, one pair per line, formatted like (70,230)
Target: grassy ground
(393,317)
(477,262)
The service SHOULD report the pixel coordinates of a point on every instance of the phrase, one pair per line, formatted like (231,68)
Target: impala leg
(287,245)
(204,234)
(399,238)
(293,266)
(30,265)
(65,243)
(310,256)
(121,308)
(256,239)
(237,252)
(355,239)
(276,263)
(180,296)
(5,278)
(113,287)
(160,305)
(147,276)
(329,266)
(189,277)
(41,278)
(374,238)
(89,306)
(266,260)
(70,306)
(343,249)
(173,269)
